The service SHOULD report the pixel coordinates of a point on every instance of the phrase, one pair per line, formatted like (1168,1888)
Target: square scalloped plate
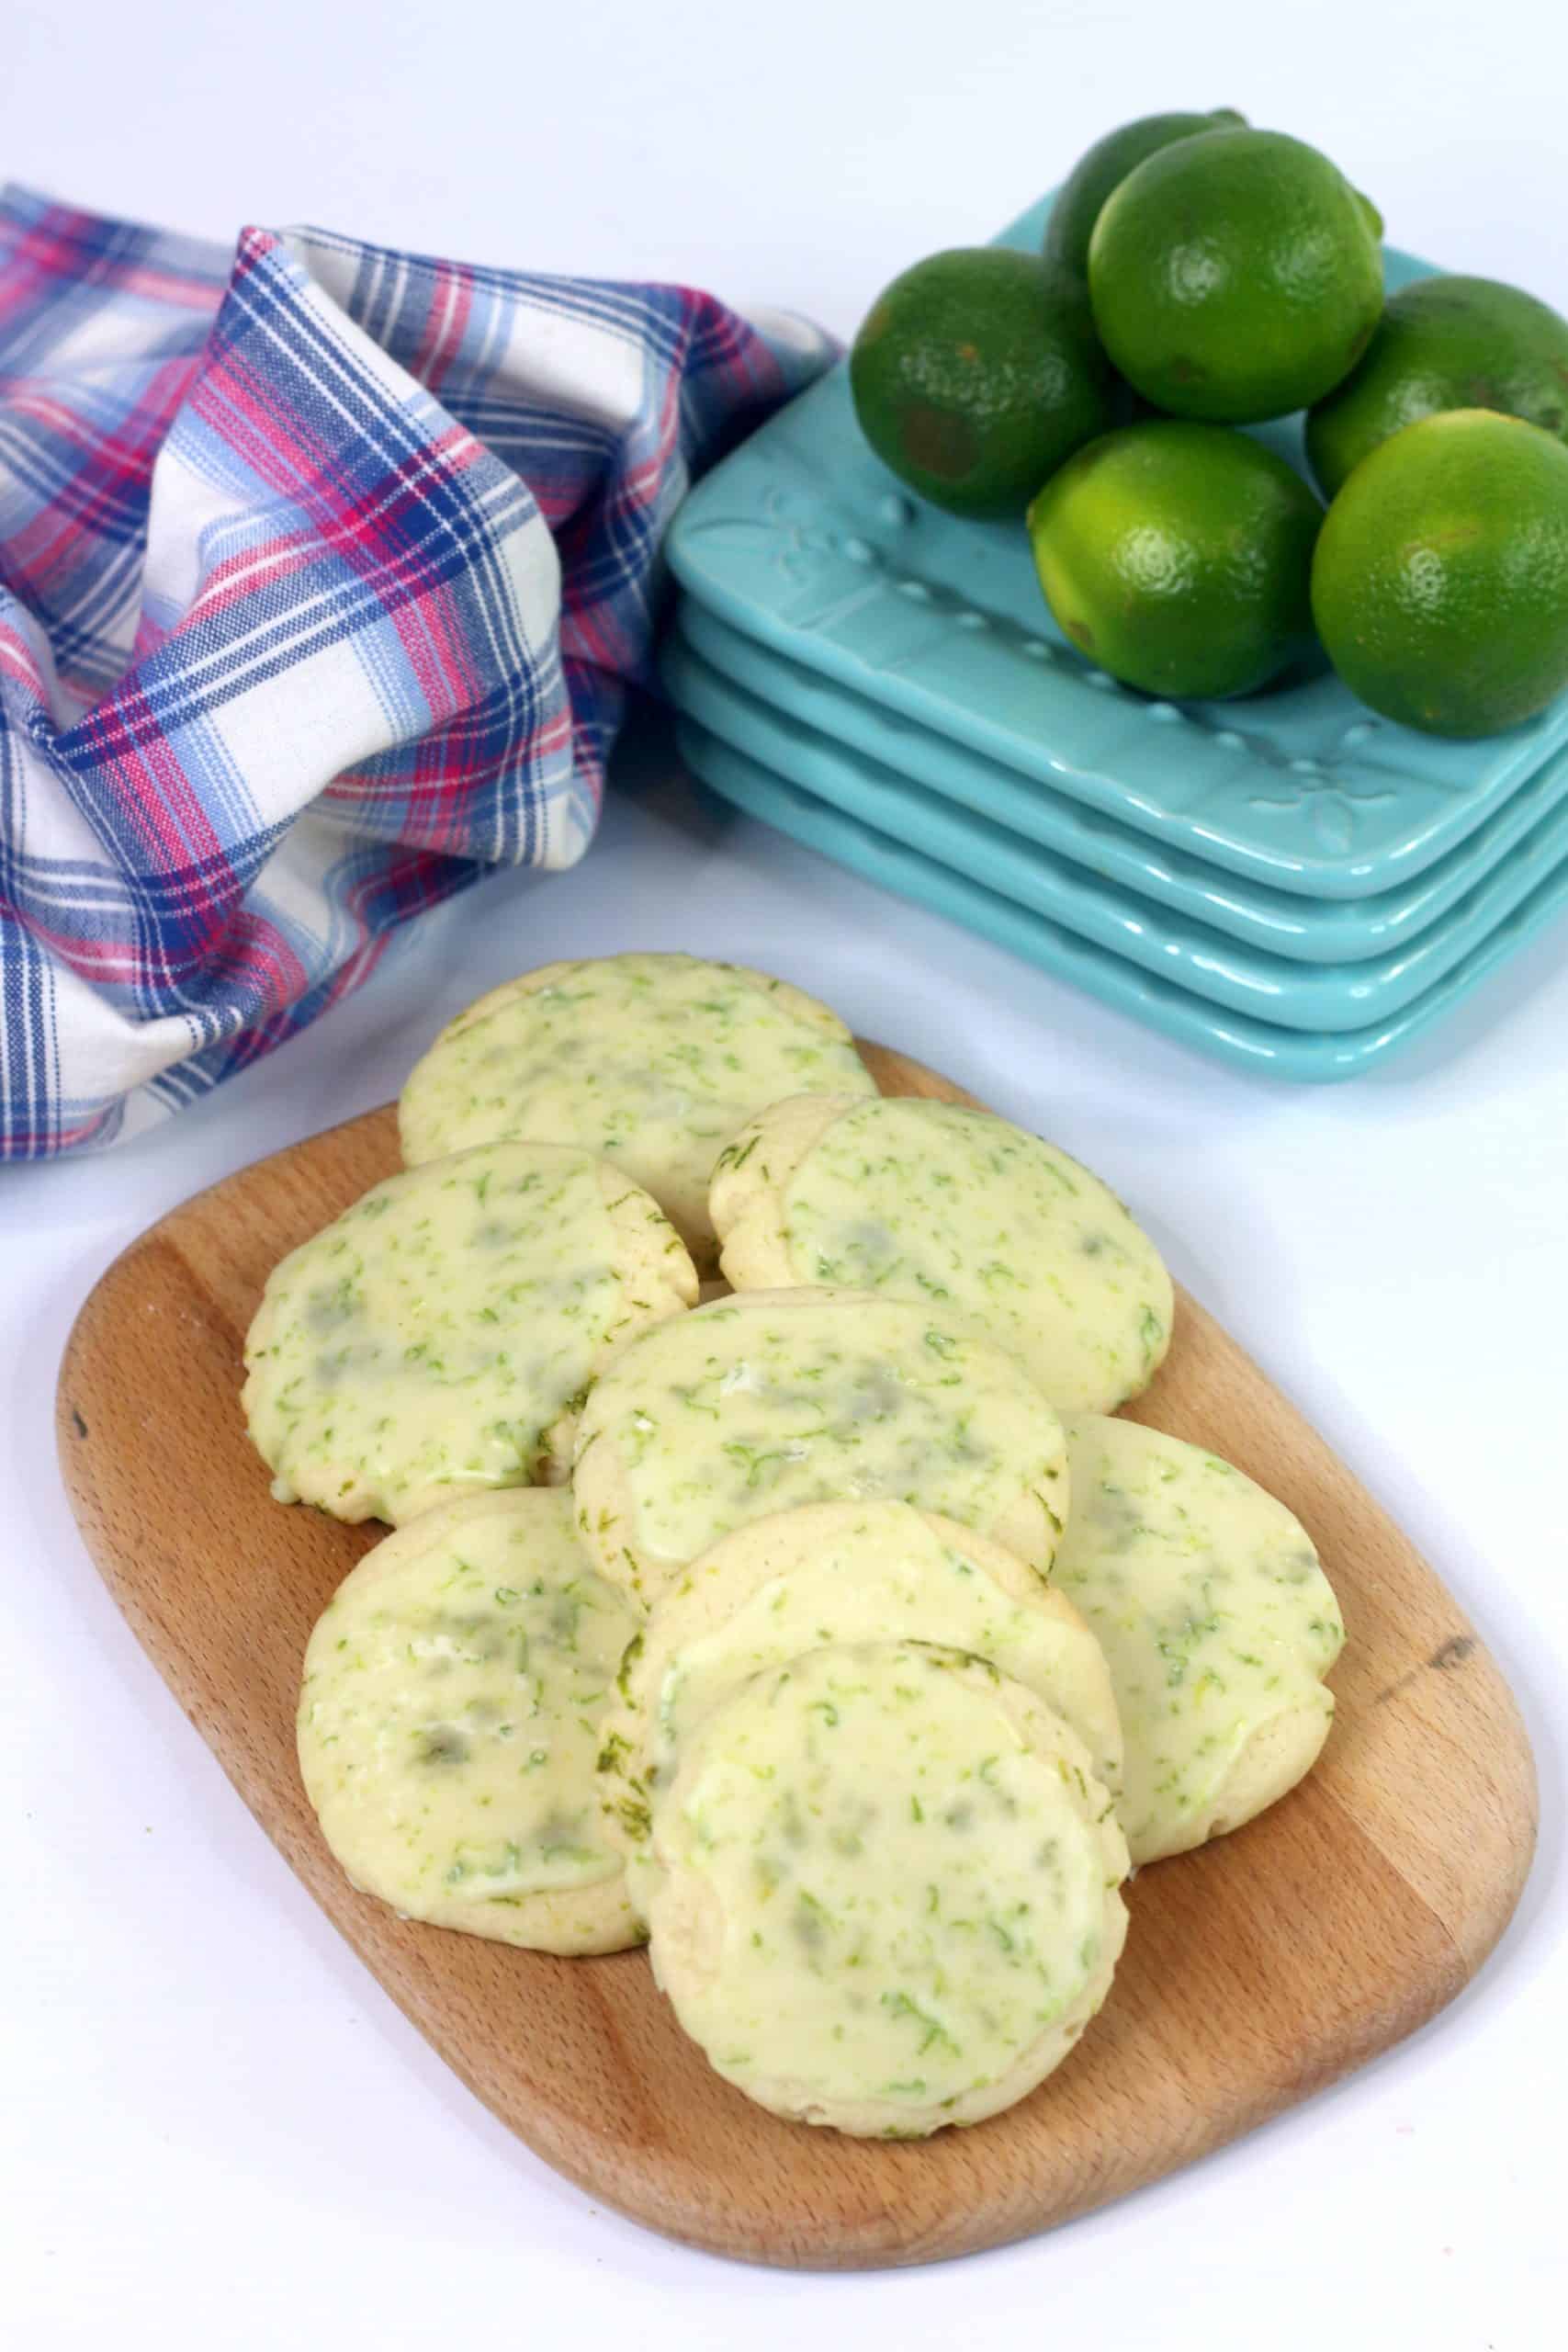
(1045,826)
(1235,1037)
(802,539)
(1223,971)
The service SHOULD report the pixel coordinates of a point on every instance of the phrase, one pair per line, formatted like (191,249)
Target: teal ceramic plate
(1047,824)
(1226,971)
(1160,1003)
(803,540)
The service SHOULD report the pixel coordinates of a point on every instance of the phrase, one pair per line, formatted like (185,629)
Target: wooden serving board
(1256,1972)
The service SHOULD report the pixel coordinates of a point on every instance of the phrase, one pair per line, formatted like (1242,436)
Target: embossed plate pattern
(1235,1037)
(1331,931)
(1214,967)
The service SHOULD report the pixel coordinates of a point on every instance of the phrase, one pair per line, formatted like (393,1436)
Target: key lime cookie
(650,1061)
(838,1574)
(438,1336)
(960,1211)
(769,1400)
(888,1890)
(449,1721)
(1217,1623)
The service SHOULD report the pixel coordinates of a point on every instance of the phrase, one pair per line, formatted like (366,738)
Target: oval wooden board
(1256,1972)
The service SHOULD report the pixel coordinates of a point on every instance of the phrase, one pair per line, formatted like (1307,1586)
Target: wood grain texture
(1255,1972)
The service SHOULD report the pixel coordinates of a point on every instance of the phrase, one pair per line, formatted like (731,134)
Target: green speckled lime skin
(975,373)
(1441,581)
(1235,276)
(1444,343)
(1097,174)
(1179,557)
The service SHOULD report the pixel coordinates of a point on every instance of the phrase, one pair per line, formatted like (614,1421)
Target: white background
(213,2127)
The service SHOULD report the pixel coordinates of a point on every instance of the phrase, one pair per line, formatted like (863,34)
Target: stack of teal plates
(1289,881)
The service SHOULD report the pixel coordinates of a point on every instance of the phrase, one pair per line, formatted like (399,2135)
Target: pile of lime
(1197,277)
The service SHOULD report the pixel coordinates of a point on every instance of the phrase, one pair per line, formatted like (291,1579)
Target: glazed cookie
(449,1721)
(1217,1623)
(438,1336)
(838,1573)
(888,1890)
(765,1401)
(932,1202)
(651,1061)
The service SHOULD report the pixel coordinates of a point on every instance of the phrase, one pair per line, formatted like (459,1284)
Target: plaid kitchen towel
(323,570)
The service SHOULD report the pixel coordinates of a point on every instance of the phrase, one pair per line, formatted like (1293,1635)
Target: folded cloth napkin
(323,571)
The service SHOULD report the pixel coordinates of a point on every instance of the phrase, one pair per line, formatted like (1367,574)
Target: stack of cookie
(865,1649)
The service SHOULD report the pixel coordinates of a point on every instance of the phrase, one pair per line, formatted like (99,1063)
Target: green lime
(1178,557)
(1445,343)
(1440,583)
(1235,276)
(975,373)
(1094,175)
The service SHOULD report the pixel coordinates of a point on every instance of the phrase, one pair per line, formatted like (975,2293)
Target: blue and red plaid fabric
(323,573)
